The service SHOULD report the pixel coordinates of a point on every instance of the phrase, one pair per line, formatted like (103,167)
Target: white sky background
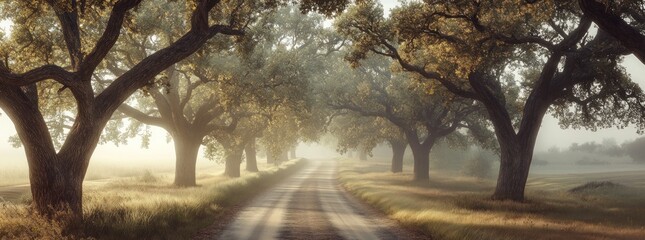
(161,153)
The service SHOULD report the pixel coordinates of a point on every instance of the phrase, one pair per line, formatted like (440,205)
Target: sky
(162,152)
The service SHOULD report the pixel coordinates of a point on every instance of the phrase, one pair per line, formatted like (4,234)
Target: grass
(144,207)
(452,207)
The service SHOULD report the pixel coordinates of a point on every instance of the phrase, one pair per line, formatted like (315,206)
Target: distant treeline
(608,148)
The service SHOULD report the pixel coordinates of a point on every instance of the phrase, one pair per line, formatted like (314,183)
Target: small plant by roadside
(479,167)
(148,177)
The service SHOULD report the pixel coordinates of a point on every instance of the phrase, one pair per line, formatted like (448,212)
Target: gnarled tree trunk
(251,157)
(398,150)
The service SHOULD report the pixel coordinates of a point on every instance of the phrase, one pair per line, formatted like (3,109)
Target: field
(145,206)
(453,207)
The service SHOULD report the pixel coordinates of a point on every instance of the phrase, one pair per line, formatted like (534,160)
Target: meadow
(146,206)
(457,207)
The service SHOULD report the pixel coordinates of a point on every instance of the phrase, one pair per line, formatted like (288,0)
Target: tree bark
(251,157)
(233,161)
(56,177)
(511,180)
(421,153)
(616,26)
(186,151)
(53,191)
(398,150)
(515,162)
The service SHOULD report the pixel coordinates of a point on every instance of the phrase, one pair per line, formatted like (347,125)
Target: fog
(160,154)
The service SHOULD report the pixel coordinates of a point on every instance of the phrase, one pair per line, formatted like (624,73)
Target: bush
(148,177)
(479,167)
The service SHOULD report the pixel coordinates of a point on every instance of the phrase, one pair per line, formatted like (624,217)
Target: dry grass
(450,207)
(144,207)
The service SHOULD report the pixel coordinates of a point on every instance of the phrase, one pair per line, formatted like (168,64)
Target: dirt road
(310,205)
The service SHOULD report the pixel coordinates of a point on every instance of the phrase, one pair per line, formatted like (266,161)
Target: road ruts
(308,205)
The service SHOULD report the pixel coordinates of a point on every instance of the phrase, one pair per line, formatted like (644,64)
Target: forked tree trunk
(251,157)
(233,162)
(398,150)
(55,190)
(515,162)
(186,151)
(516,149)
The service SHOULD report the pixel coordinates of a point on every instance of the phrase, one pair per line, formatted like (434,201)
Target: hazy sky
(163,153)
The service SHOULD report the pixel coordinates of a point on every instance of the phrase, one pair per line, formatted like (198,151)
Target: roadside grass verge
(145,207)
(452,207)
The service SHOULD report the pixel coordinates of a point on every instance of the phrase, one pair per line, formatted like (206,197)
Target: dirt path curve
(309,205)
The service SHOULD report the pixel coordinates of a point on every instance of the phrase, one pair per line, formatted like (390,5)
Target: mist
(368,119)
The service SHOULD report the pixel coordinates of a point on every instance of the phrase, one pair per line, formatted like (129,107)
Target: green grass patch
(452,207)
(145,207)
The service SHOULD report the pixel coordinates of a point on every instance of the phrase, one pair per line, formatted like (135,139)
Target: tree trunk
(251,158)
(398,150)
(292,152)
(186,159)
(283,156)
(421,153)
(270,158)
(233,162)
(515,162)
(54,190)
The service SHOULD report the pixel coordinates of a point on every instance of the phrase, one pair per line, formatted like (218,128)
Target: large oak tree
(69,54)
(478,49)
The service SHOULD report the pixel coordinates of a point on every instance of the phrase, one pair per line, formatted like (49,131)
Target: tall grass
(139,208)
(450,207)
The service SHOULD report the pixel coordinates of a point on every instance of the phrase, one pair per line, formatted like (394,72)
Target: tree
(234,141)
(191,99)
(56,175)
(474,49)
(420,113)
(611,17)
(355,131)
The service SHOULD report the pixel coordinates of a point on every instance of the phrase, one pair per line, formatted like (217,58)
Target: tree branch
(141,116)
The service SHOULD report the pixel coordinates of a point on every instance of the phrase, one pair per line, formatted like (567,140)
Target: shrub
(148,177)
(479,167)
